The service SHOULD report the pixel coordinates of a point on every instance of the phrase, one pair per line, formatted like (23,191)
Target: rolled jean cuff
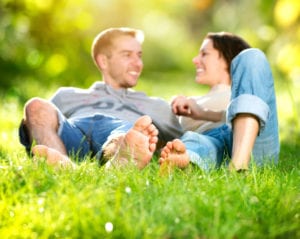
(24,137)
(61,120)
(249,104)
(117,137)
(196,159)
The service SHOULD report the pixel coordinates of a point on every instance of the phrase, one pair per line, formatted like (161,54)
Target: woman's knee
(251,57)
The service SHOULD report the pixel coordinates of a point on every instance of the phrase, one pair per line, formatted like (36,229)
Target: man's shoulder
(68,92)
(75,89)
(69,89)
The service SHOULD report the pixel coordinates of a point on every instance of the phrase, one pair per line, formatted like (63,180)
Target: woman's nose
(196,60)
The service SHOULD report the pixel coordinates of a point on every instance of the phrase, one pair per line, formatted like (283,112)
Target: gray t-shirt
(125,104)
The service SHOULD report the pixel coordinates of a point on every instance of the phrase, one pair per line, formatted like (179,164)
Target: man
(109,120)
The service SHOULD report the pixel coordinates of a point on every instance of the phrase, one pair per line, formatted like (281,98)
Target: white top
(216,99)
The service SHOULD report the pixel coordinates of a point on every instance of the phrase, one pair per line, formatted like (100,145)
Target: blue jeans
(86,136)
(252,91)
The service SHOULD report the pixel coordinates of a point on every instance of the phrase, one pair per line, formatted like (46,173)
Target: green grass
(39,202)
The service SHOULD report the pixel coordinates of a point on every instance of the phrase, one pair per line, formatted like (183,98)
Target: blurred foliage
(46,43)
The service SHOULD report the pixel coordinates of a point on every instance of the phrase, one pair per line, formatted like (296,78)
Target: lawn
(91,202)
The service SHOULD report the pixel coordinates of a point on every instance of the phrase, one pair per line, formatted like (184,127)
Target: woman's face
(211,67)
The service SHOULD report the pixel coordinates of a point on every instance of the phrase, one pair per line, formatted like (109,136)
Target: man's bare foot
(138,144)
(174,154)
(53,157)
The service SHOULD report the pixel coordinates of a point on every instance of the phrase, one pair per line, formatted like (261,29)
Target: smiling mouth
(134,73)
(199,70)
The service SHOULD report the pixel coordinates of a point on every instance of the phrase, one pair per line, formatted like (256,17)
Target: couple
(115,124)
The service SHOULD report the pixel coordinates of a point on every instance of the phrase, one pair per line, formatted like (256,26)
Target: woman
(212,69)
(252,128)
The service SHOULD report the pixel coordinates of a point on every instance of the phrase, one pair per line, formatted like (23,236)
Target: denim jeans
(86,136)
(252,92)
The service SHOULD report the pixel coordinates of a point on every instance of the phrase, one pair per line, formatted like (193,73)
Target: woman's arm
(185,106)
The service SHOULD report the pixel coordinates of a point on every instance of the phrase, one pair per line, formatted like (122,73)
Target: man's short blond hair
(103,42)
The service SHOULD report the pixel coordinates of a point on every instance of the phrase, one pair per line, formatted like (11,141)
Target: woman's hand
(182,105)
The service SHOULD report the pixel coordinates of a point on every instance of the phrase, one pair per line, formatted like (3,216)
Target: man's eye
(126,54)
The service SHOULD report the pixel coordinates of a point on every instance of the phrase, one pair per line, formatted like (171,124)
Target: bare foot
(174,154)
(53,157)
(138,144)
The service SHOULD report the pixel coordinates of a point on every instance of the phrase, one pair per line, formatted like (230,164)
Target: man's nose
(138,61)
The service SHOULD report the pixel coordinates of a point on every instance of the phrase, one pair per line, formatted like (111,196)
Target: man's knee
(40,111)
(35,104)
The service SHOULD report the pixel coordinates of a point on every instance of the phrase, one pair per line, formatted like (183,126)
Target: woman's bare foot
(138,144)
(174,154)
(53,157)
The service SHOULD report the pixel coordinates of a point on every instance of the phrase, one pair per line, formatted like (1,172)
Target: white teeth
(133,73)
(200,70)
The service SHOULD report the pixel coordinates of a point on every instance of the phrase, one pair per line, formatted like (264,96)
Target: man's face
(124,65)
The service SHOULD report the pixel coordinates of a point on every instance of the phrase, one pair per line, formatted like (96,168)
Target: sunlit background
(46,43)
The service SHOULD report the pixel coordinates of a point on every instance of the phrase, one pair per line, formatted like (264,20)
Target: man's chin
(130,84)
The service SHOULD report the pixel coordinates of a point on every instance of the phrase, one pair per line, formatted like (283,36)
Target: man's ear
(101,60)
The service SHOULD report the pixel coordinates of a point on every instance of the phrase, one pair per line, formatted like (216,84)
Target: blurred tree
(48,41)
